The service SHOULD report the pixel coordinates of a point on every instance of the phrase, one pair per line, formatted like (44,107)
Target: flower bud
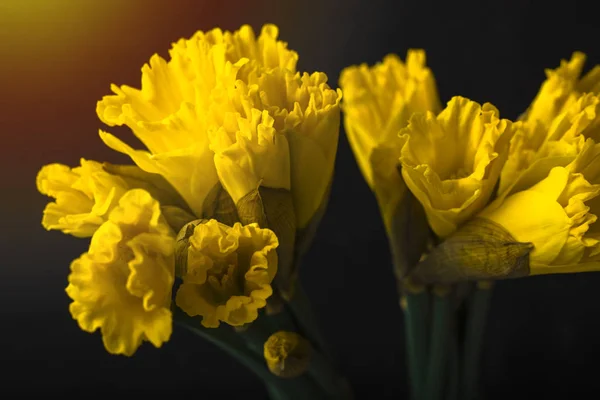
(287,354)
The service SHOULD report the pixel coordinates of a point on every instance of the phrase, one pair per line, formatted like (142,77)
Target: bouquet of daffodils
(468,198)
(206,229)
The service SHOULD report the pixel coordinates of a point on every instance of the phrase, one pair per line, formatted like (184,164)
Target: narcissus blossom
(451,162)
(122,285)
(558,215)
(84,195)
(228,273)
(563,86)
(378,102)
(537,148)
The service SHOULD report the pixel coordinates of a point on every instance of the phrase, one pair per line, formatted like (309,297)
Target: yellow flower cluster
(537,178)
(239,156)
(225,116)
(231,107)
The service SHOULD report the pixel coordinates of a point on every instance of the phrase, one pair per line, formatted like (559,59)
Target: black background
(542,336)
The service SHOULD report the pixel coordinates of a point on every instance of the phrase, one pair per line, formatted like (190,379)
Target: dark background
(58,57)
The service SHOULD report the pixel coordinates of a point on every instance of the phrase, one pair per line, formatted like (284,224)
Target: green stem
(328,378)
(415,322)
(476,318)
(227,340)
(301,312)
(275,393)
(453,363)
(438,353)
(322,368)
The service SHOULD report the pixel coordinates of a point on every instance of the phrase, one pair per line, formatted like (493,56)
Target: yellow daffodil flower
(558,215)
(451,162)
(210,89)
(228,273)
(307,110)
(84,195)
(543,219)
(378,101)
(251,156)
(537,148)
(123,284)
(562,86)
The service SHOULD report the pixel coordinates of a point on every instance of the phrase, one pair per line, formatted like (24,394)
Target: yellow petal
(587,162)
(388,184)
(312,128)
(191,171)
(557,89)
(311,173)
(534,217)
(579,119)
(523,153)
(566,269)
(590,82)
